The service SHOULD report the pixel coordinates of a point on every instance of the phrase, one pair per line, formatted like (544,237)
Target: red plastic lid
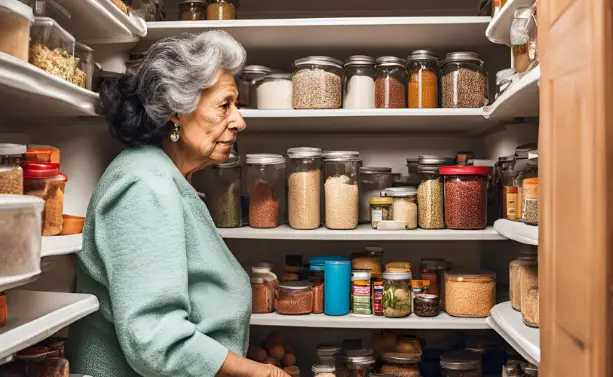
(464,170)
(40,169)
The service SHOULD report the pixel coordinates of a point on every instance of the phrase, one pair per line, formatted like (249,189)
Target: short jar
(341,189)
(373,180)
(430,193)
(398,365)
(530,310)
(426,305)
(464,81)
(192,10)
(465,196)
(515,293)
(274,92)
(359,82)
(396,294)
(324,371)
(530,205)
(424,75)
(470,294)
(380,210)
(220,10)
(223,193)
(11,173)
(391,83)
(404,207)
(266,182)
(295,298)
(45,181)
(359,366)
(247,83)
(317,83)
(461,364)
(304,187)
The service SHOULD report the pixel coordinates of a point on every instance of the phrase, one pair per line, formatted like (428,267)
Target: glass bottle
(266,182)
(341,189)
(464,81)
(359,82)
(390,84)
(424,76)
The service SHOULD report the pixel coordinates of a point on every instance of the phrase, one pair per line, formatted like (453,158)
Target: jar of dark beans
(461,364)
(464,81)
(465,196)
(391,83)
(426,305)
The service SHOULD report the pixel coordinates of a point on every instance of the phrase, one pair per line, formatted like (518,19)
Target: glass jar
(424,74)
(221,10)
(418,288)
(461,364)
(429,271)
(146,10)
(526,162)
(398,365)
(84,71)
(426,305)
(324,371)
(376,282)
(404,206)
(504,179)
(327,354)
(15,19)
(530,205)
(413,177)
(430,191)
(52,48)
(359,366)
(247,83)
(304,187)
(523,39)
(380,210)
(192,10)
(359,82)
(528,260)
(390,84)
(373,180)
(341,189)
(470,294)
(316,278)
(263,287)
(266,182)
(530,312)
(464,81)
(11,174)
(45,181)
(396,294)
(465,196)
(295,297)
(360,292)
(317,83)
(528,279)
(223,192)
(274,92)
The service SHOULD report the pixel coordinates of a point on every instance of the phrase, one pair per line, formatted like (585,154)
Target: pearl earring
(175,135)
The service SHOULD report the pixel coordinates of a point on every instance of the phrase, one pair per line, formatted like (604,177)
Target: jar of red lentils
(295,298)
(465,196)
(45,181)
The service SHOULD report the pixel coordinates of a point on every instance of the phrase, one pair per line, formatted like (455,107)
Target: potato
(288,360)
(272,361)
(277,352)
(274,338)
(293,371)
(256,353)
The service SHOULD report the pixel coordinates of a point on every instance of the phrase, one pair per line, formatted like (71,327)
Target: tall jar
(528,259)
(390,84)
(316,278)
(523,39)
(461,364)
(45,181)
(396,294)
(424,77)
(85,54)
(465,196)
(317,83)
(304,187)
(359,82)
(247,83)
(224,193)
(430,191)
(266,182)
(221,10)
(274,92)
(529,170)
(341,189)
(404,207)
(11,174)
(530,204)
(373,180)
(464,81)
(263,287)
(504,179)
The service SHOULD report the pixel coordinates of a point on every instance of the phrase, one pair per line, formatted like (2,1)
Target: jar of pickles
(390,84)
(399,365)
(396,294)
(221,10)
(304,187)
(223,193)
(266,182)
(424,76)
(341,189)
(11,174)
(430,191)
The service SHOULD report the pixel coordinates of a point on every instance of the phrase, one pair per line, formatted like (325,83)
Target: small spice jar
(399,365)
(360,292)
(529,259)
(247,83)
(45,181)
(376,280)
(304,187)
(530,312)
(373,180)
(464,81)
(530,213)
(380,210)
(11,173)
(396,294)
(465,196)
(461,364)
(15,18)
(274,92)
(390,84)
(317,83)
(426,305)
(359,82)
(424,76)
(316,278)
(341,189)
(192,10)
(221,10)
(223,193)
(266,182)
(324,370)
(470,294)
(430,191)
(404,207)
(295,297)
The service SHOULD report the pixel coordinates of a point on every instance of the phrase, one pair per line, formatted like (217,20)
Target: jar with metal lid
(530,205)
(341,189)
(526,161)
(266,182)
(404,207)
(523,39)
(324,371)
(390,84)
(192,10)
(530,310)
(461,364)
(430,191)
(380,210)
(399,365)
(295,297)
(44,180)
(426,305)
(424,76)
(327,354)
(84,71)
(263,287)
(361,292)
(317,83)
(503,179)
(429,271)
(359,366)
(528,259)
(470,294)
(221,10)
(529,370)
(464,81)
(274,92)
(359,82)
(11,174)
(373,180)
(465,196)
(247,83)
(304,187)
(223,188)
(396,294)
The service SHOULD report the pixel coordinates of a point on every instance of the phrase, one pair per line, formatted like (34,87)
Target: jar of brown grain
(45,181)
(528,259)
(192,10)
(266,182)
(221,10)
(295,298)
(11,174)
(470,294)
(390,83)
(424,77)
(263,286)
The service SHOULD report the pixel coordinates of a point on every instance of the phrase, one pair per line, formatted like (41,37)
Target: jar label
(361,299)
(376,215)
(377,299)
(511,212)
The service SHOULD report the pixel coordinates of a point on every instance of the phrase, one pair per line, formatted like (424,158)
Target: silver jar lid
(375,170)
(296,286)
(341,155)
(399,192)
(434,160)
(325,350)
(360,360)
(460,360)
(12,149)
(462,56)
(397,275)
(422,55)
(391,61)
(323,368)
(399,358)
(304,152)
(278,76)
(265,159)
(359,60)
(232,161)
(256,69)
(412,160)
(319,60)
(360,274)
(427,298)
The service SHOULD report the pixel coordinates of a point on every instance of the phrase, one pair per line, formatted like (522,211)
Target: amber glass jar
(45,181)
(221,10)
(192,10)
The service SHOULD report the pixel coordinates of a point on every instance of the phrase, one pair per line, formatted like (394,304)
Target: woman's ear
(175,119)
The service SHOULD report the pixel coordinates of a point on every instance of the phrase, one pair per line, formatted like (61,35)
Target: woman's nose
(237,122)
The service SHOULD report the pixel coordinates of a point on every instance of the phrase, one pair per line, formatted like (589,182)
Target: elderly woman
(174,302)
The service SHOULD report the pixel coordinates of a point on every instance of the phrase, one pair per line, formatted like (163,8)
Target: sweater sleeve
(141,239)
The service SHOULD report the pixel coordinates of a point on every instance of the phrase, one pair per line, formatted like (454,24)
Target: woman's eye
(225,105)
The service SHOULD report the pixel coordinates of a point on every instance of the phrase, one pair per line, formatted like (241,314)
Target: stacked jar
(359,82)
(317,83)
(390,84)
(430,191)
(373,180)
(247,83)
(304,187)
(464,81)
(465,196)
(266,182)
(341,189)
(11,173)
(404,207)
(224,193)
(274,92)
(424,74)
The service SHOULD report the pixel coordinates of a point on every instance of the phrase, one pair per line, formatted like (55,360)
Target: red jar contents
(465,196)
(45,181)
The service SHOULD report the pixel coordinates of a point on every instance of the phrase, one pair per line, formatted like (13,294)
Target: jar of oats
(11,174)
(470,294)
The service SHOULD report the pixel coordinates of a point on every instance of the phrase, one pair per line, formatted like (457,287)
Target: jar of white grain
(304,187)
(405,205)
(317,83)
(275,92)
(341,189)
(359,82)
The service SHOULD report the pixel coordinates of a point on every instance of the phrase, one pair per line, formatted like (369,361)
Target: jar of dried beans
(266,182)
(45,181)
(461,364)
(304,187)
(524,154)
(400,365)
(396,294)
(530,213)
(464,81)
(263,287)
(390,84)
(404,207)
(223,189)
(317,83)
(373,180)
(359,82)
(295,297)
(465,196)
(470,294)
(341,189)
(430,191)
(221,10)
(247,84)
(11,174)
(424,76)
(426,305)
(529,259)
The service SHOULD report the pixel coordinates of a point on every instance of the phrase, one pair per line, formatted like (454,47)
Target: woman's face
(210,131)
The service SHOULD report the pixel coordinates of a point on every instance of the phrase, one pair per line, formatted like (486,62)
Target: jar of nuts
(317,83)
(470,294)
(464,81)
(11,174)
(295,297)
(465,196)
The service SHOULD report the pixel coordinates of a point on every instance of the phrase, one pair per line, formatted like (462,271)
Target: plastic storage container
(380,210)
(396,294)
(424,75)
(45,181)
(266,182)
(464,81)
(192,10)
(530,312)
(52,48)
(404,207)
(523,39)
(337,276)
(295,297)
(247,83)
(221,10)
(465,196)
(263,283)
(430,194)
(359,82)
(274,92)
(341,189)
(398,365)
(470,294)
(530,205)
(11,174)
(317,83)
(15,21)
(373,180)
(391,83)
(426,305)
(324,370)
(223,191)
(461,364)
(84,71)
(304,187)
(527,260)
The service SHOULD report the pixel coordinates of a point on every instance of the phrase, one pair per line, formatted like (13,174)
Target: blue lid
(320,261)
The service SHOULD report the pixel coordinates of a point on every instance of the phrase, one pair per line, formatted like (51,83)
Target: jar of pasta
(424,76)
(11,174)
(221,10)
(45,181)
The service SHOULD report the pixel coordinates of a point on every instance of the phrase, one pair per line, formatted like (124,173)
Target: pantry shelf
(28,91)
(61,245)
(443,322)
(9,282)
(34,316)
(363,232)
(519,100)
(508,323)
(499,29)
(518,231)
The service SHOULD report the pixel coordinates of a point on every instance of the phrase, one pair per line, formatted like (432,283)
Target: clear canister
(470,294)
(359,82)
(430,194)
(341,189)
(317,83)
(391,83)
(396,294)
(84,71)
(192,10)
(424,76)
(52,48)
(304,187)
(373,180)
(530,312)
(295,297)
(529,259)
(461,364)
(464,81)
(221,10)
(274,92)
(247,83)
(11,173)
(523,39)
(400,365)
(266,182)
(526,166)
(224,188)
(404,207)
(45,181)
(530,205)
(465,196)
(263,287)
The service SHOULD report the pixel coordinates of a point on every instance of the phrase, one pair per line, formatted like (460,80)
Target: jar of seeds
(295,298)
(11,174)
(430,191)
(530,214)
(465,196)
(317,83)
(304,187)
(223,193)
(341,189)
(391,83)
(424,76)
(464,81)
(266,182)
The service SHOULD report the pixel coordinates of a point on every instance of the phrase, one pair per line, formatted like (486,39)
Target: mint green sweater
(173,299)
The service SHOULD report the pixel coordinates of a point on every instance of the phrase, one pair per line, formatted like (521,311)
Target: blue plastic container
(337,281)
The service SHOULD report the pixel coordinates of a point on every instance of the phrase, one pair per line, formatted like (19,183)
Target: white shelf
(524,339)
(499,29)
(364,232)
(34,316)
(61,245)
(519,100)
(452,121)
(518,231)
(443,322)
(9,282)
(28,91)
